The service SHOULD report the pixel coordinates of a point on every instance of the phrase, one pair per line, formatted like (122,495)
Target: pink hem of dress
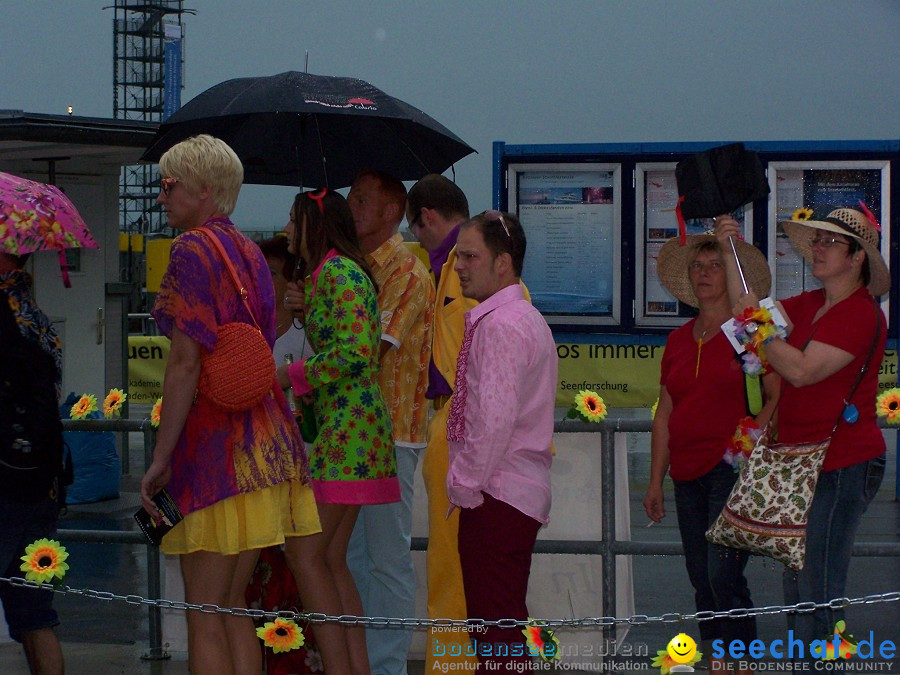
(297,375)
(369,491)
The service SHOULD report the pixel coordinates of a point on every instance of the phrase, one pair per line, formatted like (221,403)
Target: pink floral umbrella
(39,217)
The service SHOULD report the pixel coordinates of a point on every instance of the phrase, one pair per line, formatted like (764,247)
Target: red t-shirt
(706,403)
(807,414)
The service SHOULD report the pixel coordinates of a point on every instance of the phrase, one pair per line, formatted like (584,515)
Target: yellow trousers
(446,599)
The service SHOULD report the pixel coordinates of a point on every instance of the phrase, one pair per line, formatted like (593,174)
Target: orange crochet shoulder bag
(240,370)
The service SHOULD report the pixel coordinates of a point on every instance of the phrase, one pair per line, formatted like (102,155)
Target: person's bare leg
(318,591)
(246,648)
(207,580)
(43,652)
(336,558)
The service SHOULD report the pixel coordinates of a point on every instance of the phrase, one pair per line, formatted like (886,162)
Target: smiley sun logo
(679,656)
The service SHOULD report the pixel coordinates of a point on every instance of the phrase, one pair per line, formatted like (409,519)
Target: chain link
(470,624)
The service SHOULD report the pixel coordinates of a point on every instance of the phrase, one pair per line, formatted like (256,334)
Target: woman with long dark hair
(352,459)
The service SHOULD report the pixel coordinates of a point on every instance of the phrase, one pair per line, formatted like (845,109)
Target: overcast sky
(533,71)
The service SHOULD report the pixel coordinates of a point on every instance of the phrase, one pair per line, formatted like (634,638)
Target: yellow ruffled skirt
(246,521)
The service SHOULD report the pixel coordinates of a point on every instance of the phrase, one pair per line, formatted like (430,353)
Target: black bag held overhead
(31,441)
(719,180)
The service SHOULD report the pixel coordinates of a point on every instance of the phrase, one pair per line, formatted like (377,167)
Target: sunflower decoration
(112,404)
(281,635)
(887,405)
(802,214)
(665,663)
(846,646)
(156,413)
(589,406)
(83,407)
(541,641)
(44,560)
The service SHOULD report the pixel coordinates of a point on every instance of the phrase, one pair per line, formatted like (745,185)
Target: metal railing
(607,548)
(154,582)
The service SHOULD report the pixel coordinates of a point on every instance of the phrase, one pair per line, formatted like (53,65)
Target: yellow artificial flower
(83,407)
(845,648)
(282,635)
(112,404)
(664,662)
(43,560)
(156,412)
(590,405)
(887,405)
(802,214)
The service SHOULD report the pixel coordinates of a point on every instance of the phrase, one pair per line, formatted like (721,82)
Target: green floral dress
(352,459)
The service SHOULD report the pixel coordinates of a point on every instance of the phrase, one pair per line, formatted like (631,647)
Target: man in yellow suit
(435,208)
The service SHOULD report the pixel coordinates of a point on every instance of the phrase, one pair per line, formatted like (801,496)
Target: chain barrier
(393,622)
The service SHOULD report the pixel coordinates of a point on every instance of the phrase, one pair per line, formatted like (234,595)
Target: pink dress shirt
(500,433)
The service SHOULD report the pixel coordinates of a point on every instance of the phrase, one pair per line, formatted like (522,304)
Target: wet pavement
(111,637)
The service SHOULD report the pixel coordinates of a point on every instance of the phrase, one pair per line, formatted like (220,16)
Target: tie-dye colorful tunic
(352,460)
(221,454)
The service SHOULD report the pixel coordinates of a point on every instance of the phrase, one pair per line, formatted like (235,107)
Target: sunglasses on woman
(166,184)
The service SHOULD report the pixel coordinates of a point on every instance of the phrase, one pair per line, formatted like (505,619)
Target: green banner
(147,358)
(627,376)
(887,374)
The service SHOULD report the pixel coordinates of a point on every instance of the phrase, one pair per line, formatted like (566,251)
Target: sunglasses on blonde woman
(166,185)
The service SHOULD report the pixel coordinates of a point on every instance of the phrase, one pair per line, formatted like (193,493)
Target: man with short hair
(26,516)
(500,432)
(379,555)
(435,209)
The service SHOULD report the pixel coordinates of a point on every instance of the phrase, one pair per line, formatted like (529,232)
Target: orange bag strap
(233,272)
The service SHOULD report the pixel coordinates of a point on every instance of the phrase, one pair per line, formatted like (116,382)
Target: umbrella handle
(738,262)
(64,268)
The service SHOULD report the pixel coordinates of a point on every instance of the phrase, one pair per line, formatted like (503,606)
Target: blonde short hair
(206,161)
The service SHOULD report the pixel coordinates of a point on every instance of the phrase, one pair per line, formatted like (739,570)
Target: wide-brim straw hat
(850,223)
(673,260)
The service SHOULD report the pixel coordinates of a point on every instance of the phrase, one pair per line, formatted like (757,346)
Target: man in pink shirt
(500,431)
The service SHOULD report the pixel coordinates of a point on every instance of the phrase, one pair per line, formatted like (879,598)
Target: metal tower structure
(147,65)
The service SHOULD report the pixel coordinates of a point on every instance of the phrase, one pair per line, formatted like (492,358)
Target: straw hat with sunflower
(858,225)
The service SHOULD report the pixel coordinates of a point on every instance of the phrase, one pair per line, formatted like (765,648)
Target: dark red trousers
(495,545)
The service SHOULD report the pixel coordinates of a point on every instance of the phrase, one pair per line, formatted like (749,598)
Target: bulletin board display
(572,221)
(822,187)
(656,194)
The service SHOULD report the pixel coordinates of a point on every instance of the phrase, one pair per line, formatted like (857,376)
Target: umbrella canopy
(313,130)
(39,217)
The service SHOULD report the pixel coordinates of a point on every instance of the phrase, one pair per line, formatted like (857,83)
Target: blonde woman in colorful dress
(236,476)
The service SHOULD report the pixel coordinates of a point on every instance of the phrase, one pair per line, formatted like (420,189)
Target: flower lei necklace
(741,444)
(754,328)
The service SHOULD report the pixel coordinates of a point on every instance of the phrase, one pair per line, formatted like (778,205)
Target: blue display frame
(628,155)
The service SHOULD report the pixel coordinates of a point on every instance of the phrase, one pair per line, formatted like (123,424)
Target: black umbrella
(313,130)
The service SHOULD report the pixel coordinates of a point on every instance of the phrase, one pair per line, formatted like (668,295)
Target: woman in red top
(833,333)
(701,401)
